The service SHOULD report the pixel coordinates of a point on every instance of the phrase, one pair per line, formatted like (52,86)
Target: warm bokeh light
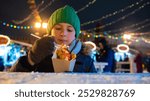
(44,25)
(41,25)
(15,26)
(96,36)
(37,25)
(88,36)
(127,36)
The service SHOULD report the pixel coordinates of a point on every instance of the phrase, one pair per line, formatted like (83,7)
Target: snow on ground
(74,78)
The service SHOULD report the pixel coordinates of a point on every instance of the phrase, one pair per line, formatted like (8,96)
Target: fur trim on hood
(87,49)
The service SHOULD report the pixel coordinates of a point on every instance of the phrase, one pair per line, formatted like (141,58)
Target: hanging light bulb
(37,25)
(44,25)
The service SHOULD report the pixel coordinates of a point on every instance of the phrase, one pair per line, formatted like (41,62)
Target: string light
(37,10)
(146,40)
(34,12)
(119,37)
(112,14)
(127,27)
(46,6)
(92,2)
(121,18)
(86,6)
(15,26)
(141,27)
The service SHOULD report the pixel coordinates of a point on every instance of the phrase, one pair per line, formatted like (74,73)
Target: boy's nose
(64,33)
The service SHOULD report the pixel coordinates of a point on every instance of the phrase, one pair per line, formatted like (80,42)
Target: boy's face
(63,33)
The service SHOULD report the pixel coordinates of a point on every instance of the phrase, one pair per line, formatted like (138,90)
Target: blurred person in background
(105,54)
(138,61)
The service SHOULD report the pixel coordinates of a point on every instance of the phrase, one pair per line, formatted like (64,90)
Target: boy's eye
(69,30)
(57,28)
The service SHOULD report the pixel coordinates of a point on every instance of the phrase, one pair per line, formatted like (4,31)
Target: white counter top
(73,78)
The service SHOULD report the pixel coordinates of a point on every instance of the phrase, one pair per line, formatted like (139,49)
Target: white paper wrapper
(62,65)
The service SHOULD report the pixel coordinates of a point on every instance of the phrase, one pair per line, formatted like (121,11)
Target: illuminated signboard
(4,40)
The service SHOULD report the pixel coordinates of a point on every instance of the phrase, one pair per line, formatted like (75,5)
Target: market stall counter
(74,78)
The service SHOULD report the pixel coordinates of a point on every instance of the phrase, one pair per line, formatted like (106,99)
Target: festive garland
(112,14)
(15,26)
(121,18)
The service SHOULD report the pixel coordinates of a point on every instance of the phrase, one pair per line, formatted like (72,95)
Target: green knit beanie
(65,14)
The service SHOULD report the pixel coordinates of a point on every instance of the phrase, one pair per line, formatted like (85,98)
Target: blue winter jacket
(109,58)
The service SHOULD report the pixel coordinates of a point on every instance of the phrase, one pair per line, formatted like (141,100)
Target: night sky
(19,9)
